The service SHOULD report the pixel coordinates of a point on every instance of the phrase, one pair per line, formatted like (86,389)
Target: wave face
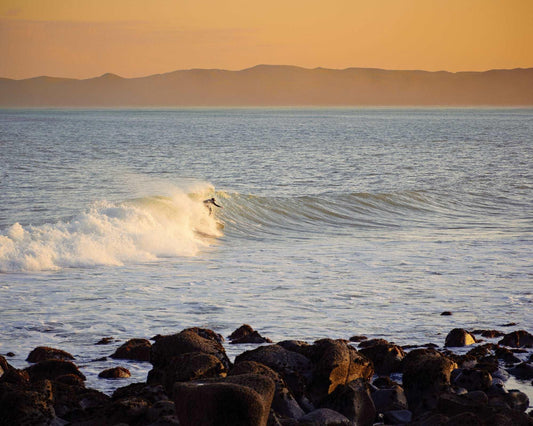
(133,231)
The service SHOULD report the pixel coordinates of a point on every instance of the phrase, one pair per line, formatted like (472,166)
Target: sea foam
(139,230)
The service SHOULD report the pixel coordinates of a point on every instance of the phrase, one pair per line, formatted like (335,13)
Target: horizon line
(110,74)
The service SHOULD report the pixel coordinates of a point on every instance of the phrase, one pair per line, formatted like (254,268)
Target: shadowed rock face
(134,349)
(277,85)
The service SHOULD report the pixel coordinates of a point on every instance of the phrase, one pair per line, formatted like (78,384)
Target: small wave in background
(113,233)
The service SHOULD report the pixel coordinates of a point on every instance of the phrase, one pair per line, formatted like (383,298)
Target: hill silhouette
(277,85)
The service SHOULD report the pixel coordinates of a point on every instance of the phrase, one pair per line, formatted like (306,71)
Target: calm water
(336,222)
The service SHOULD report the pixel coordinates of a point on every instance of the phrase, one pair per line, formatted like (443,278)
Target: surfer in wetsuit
(209,203)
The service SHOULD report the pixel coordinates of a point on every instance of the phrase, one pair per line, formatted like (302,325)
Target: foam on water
(107,233)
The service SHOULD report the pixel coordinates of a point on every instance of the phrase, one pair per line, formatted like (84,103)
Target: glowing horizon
(132,38)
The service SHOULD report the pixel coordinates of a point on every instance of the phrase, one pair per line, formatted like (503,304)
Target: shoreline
(356,381)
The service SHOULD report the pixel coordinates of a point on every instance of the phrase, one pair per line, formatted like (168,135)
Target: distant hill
(272,85)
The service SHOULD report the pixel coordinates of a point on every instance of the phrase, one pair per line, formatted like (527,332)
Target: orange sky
(86,38)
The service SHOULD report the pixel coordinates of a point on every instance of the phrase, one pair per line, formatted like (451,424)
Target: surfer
(209,203)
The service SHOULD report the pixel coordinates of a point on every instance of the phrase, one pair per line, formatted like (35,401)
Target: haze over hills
(273,85)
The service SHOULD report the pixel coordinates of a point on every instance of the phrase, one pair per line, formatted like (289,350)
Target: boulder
(246,334)
(294,368)
(284,404)
(358,338)
(22,406)
(353,401)
(386,357)
(392,399)
(335,363)
(115,373)
(186,367)
(523,371)
(426,374)
(397,417)
(128,410)
(134,349)
(517,339)
(42,353)
(187,341)
(459,337)
(506,355)
(451,405)
(324,417)
(471,379)
(52,369)
(237,400)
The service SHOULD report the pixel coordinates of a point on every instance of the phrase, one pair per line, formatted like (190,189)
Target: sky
(133,38)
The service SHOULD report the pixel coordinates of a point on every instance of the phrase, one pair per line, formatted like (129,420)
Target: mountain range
(277,85)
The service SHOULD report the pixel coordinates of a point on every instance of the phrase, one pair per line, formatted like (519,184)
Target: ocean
(334,222)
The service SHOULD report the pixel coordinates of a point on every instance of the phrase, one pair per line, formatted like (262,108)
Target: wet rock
(52,369)
(358,339)
(489,334)
(384,382)
(115,373)
(105,341)
(20,406)
(471,379)
(284,404)
(465,419)
(397,417)
(187,341)
(207,334)
(480,351)
(459,337)
(517,400)
(129,410)
(70,379)
(162,411)
(237,400)
(324,417)
(134,349)
(386,357)
(451,405)
(42,353)
(246,334)
(506,355)
(76,403)
(523,371)
(389,399)
(294,368)
(149,393)
(335,363)
(517,339)
(372,342)
(446,314)
(186,367)
(353,401)
(426,374)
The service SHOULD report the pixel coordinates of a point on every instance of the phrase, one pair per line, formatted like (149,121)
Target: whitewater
(334,222)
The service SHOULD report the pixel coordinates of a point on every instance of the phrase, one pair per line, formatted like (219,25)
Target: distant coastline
(277,85)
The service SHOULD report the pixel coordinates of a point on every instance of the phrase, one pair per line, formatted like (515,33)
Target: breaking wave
(133,231)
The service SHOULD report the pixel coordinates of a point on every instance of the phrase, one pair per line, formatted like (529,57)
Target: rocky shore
(329,382)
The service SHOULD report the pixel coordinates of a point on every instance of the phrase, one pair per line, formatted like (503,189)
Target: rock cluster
(290,383)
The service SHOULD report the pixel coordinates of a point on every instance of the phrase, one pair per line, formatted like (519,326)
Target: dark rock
(187,341)
(129,410)
(206,334)
(149,393)
(459,337)
(523,371)
(246,334)
(134,349)
(465,419)
(335,363)
(294,368)
(397,417)
(471,379)
(115,373)
(52,369)
(509,324)
(489,334)
(517,339)
(384,382)
(186,367)
(506,355)
(324,417)
(20,406)
(386,357)
(358,339)
(162,411)
(517,400)
(480,351)
(42,353)
(426,374)
(10,354)
(451,405)
(71,379)
(298,346)
(284,404)
(105,341)
(446,313)
(372,342)
(389,399)
(77,403)
(238,400)
(353,401)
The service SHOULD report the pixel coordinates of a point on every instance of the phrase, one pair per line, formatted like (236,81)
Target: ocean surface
(335,222)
